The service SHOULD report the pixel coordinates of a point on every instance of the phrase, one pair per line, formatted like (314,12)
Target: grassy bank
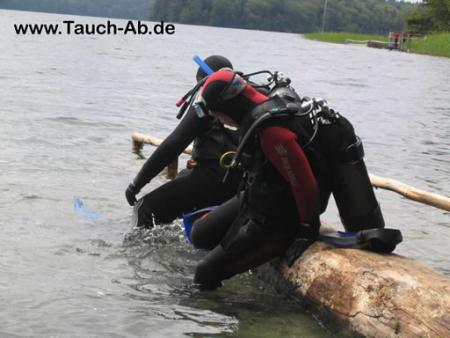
(341,37)
(437,44)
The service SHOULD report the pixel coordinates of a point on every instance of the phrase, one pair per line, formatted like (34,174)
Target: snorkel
(186,101)
(274,79)
(207,69)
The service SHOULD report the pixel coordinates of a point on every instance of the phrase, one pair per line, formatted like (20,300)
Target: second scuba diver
(202,186)
(295,153)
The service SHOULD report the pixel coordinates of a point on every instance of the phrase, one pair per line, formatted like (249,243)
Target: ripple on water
(75,121)
(55,136)
(27,198)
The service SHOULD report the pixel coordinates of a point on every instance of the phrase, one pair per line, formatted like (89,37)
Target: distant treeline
(432,15)
(127,9)
(358,16)
(301,16)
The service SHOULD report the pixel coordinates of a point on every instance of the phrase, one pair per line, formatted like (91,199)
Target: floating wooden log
(357,42)
(138,140)
(378,44)
(366,294)
(411,193)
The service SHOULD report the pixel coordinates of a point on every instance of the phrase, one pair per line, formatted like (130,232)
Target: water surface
(68,105)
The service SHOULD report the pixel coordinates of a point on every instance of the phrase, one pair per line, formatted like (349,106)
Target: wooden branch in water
(411,193)
(138,141)
(172,170)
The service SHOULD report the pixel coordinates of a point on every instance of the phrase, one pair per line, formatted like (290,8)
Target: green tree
(359,16)
(440,14)
(226,13)
(128,9)
(433,15)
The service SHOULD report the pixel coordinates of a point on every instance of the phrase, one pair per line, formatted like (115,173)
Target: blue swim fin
(191,217)
(378,240)
(84,211)
(341,239)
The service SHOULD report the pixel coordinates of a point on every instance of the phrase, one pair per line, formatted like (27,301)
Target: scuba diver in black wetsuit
(202,185)
(295,153)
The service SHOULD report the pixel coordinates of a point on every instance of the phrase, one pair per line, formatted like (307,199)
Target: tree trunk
(367,294)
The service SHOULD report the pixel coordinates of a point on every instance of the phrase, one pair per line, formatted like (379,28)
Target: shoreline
(434,44)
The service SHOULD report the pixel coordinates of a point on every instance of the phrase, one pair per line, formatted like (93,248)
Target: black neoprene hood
(215,62)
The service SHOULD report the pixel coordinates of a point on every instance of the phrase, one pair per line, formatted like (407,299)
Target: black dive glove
(307,234)
(131,193)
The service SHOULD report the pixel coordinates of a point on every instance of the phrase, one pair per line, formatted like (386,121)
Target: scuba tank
(354,195)
(348,178)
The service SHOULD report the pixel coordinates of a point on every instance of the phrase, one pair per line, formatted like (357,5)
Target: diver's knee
(206,276)
(202,273)
(200,238)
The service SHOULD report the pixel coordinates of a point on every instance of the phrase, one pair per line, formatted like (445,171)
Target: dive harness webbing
(310,107)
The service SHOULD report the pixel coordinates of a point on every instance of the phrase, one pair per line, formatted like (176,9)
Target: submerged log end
(136,143)
(368,294)
(172,170)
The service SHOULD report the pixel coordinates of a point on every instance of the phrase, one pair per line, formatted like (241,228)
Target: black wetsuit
(265,219)
(289,180)
(197,188)
(263,222)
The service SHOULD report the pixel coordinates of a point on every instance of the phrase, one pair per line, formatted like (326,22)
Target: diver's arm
(282,150)
(173,145)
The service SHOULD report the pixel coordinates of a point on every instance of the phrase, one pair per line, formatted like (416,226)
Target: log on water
(359,292)
(435,200)
(366,294)
(138,140)
(442,202)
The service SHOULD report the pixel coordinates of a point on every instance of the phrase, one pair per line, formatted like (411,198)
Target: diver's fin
(377,240)
(341,239)
(190,217)
(81,209)
(381,240)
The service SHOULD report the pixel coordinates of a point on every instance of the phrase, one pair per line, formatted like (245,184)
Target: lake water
(68,105)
